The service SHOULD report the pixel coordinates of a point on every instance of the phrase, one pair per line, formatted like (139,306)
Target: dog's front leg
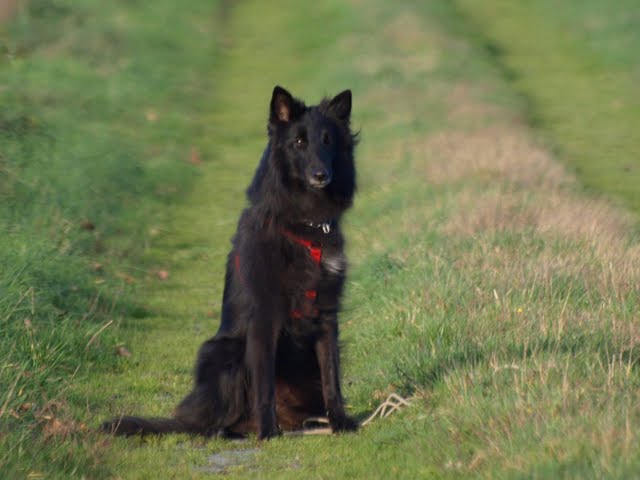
(261,363)
(329,361)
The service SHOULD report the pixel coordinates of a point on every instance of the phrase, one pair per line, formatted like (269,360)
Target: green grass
(482,284)
(576,65)
(95,103)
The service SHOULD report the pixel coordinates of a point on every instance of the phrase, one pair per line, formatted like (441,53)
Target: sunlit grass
(574,64)
(92,101)
(483,285)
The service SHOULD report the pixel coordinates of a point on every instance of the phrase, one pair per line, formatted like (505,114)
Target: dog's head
(307,170)
(312,139)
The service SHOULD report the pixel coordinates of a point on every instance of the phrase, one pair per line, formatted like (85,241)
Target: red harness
(315,252)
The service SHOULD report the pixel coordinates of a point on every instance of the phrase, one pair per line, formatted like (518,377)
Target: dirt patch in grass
(465,108)
(405,31)
(221,462)
(7,9)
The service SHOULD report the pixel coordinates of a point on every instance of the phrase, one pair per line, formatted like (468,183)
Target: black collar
(324,226)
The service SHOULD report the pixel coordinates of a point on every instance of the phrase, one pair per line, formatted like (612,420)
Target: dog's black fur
(275,361)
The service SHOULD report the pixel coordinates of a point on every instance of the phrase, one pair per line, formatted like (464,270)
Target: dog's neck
(303,226)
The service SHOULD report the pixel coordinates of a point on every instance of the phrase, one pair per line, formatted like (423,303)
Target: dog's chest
(330,267)
(316,285)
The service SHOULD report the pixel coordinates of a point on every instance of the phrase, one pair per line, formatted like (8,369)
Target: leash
(393,403)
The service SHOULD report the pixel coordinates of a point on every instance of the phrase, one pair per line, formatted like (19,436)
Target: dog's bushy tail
(218,400)
(131,426)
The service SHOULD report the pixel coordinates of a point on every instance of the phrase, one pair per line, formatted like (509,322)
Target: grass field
(485,285)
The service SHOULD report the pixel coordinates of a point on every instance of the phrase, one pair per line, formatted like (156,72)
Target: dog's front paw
(268,426)
(266,434)
(342,423)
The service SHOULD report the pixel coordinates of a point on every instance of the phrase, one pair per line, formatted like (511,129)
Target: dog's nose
(320,175)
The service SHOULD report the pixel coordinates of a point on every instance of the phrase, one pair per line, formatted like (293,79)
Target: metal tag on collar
(326,227)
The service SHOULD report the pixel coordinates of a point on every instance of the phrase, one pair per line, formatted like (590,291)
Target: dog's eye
(326,139)
(299,142)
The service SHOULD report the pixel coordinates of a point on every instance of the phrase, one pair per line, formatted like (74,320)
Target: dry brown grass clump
(497,153)
(465,109)
(515,186)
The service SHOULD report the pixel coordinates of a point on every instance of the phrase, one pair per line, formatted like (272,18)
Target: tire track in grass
(575,65)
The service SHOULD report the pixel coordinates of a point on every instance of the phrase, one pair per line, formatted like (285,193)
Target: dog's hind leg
(217,401)
(219,398)
(297,400)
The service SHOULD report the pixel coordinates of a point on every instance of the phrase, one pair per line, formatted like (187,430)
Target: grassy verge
(92,101)
(576,64)
(482,284)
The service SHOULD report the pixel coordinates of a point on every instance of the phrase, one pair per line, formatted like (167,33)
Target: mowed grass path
(483,285)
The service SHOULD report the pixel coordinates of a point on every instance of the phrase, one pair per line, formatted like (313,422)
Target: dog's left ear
(340,105)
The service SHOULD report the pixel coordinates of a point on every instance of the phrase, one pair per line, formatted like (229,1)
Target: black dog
(275,360)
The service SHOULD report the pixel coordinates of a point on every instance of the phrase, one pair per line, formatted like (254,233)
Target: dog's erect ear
(282,104)
(340,105)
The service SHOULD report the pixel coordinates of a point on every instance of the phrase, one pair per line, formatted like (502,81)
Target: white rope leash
(393,403)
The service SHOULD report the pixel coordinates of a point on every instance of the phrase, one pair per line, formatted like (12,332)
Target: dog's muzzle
(319,178)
